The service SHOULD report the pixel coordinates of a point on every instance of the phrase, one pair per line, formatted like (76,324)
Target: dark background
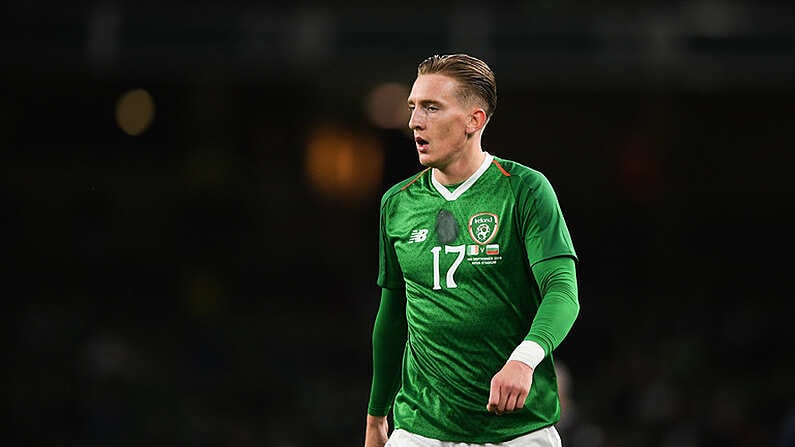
(193,285)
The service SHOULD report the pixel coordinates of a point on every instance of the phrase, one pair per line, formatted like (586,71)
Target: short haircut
(476,80)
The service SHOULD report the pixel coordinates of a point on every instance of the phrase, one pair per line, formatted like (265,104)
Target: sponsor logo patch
(418,235)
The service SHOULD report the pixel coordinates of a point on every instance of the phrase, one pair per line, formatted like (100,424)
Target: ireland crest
(483,227)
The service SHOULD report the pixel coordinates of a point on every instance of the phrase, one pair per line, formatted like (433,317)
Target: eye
(432,108)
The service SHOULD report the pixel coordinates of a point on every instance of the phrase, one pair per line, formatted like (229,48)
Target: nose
(416,120)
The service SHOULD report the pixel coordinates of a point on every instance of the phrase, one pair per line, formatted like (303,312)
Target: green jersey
(464,255)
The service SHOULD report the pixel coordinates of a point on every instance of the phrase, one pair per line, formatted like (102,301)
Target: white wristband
(528,352)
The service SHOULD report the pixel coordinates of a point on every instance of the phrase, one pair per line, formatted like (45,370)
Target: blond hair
(475,78)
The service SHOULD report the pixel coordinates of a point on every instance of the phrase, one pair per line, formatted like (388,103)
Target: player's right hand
(376,433)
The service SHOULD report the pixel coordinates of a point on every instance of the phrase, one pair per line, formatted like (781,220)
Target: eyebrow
(424,102)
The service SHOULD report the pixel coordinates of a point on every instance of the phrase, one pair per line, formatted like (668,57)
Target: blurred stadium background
(191,195)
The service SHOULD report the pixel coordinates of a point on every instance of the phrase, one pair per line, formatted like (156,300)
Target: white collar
(463,187)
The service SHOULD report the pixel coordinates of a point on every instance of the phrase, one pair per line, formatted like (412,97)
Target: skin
(447,136)
(451,128)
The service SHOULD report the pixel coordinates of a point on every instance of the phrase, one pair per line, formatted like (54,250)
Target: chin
(426,160)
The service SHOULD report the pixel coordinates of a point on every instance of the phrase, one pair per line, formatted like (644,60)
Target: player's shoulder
(520,173)
(402,185)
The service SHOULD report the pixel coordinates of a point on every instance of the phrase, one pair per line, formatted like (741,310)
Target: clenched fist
(510,387)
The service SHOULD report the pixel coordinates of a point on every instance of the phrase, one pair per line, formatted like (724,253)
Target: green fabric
(471,297)
(389,341)
(557,282)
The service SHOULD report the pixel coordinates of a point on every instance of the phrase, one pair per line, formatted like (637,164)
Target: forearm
(389,341)
(376,431)
(557,282)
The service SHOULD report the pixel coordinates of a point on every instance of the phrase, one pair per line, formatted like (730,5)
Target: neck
(461,168)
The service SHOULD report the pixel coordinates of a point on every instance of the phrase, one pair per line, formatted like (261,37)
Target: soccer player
(477,272)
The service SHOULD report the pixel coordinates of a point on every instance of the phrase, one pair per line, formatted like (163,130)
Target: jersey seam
(417,177)
(497,163)
(556,255)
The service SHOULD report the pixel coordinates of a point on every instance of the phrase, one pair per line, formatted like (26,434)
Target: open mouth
(421,143)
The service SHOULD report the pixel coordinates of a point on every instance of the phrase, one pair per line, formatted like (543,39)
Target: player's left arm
(557,282)
(552,257)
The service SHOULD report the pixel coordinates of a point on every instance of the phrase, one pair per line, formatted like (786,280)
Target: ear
(476,120)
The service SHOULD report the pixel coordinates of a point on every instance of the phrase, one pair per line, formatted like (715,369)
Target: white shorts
(545,437)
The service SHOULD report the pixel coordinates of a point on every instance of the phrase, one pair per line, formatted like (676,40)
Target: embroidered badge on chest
(483,227)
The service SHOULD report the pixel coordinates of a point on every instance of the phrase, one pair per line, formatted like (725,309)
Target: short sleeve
(544,228)
(390,275)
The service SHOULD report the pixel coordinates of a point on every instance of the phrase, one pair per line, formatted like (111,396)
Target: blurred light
(386,106)
(135,111)
(343,165)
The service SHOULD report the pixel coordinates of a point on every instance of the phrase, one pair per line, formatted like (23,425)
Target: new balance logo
(418,235)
